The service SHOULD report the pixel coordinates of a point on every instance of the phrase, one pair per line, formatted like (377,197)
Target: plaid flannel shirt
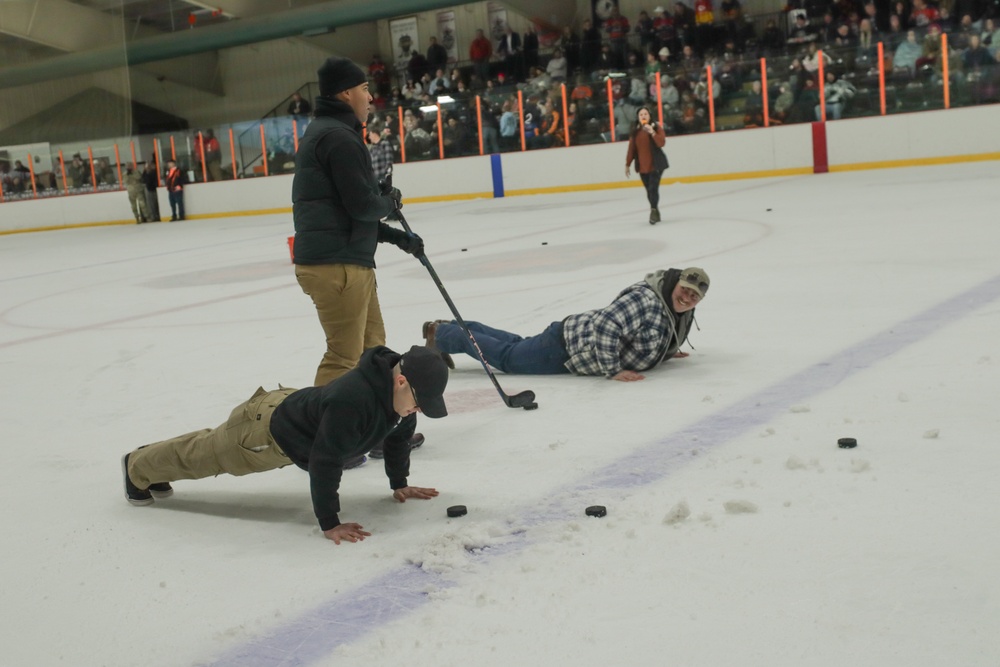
(632,333)
(382,155)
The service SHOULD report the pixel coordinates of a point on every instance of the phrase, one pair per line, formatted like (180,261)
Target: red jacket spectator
(481,48)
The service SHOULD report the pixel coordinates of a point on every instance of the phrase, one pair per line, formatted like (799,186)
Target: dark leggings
(652,183)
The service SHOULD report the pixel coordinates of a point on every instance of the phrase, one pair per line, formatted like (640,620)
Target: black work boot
(133,494)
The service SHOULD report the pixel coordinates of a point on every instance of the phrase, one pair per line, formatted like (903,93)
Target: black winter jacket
(336,203)
(321,427)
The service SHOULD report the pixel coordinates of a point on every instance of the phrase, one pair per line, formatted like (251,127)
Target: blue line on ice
(400,591)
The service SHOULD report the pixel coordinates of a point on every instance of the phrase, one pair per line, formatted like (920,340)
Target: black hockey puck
(457,510)
(597,510)
(847,443)
(531,406)
(545,242)
(465,249)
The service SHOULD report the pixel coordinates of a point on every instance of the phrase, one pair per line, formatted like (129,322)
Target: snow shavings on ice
(799,408)
(451,551)
(678,513)
(931,433)
(740,507)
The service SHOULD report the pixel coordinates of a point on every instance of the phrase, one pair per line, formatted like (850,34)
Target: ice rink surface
(863,304)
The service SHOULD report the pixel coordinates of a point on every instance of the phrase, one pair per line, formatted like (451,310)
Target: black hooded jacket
(321,427)
(336,201)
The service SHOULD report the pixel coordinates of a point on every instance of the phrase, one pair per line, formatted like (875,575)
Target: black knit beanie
(339,74)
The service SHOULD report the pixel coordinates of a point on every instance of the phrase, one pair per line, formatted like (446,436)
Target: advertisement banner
(498,20)
(405,42)
(601,11)
(446,34)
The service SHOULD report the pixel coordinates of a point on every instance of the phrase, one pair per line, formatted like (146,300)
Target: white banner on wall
(446,34)
(498,20)
(405,41)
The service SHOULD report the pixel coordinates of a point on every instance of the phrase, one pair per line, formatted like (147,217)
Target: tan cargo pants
(240,446)
(346,299)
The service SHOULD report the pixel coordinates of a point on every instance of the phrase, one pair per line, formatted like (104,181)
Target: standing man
(175,190)
(480,52)
(337,206)
(152,201)
(136,193)
(318,429)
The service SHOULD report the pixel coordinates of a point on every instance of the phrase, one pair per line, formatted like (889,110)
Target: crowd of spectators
(680,44)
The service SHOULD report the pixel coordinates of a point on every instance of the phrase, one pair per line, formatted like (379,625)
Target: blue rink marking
(401,591)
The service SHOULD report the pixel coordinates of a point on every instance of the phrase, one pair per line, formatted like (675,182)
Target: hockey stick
(525,399)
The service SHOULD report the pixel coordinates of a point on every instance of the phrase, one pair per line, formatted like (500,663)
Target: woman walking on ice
(645,150)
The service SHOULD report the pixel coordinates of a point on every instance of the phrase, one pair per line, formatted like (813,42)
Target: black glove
(393,193)
(412,244)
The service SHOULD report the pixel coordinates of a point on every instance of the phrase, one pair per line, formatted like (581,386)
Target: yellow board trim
(707,178)
(916,162)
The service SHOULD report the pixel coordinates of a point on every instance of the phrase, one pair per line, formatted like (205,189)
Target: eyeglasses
(413,392)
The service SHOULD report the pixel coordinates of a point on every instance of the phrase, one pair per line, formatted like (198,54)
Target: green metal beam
(235,33)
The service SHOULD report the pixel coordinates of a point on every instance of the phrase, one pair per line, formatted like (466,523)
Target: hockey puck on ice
(457,510)
(531,406)
(597,510)
(545,242)
(465,249)
(847,443)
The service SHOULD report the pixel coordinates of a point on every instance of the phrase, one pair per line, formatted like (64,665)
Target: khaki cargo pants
(240,446)
(346,300)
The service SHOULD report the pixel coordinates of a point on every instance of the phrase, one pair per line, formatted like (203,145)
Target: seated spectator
(20,177)
(652,68)
(976,56)
(908,53)
(668,92)
(772,41)
(811,62)
(801,32)
(557,66)
(931,48)
(549,127)
(844,39)
(991,35)
(581,91)
(638,90)
(663,58)
(412,90)
(867,42)
(508,125)
(418,142)
(456,137)
(439,85)
(896,34)
(827,30)
(923,15)
(753,115)
(783,103)
(838,94)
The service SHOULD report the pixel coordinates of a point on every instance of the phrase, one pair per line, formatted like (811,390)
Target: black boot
(654,216)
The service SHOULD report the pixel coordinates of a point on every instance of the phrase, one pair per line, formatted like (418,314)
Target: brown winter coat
(640,146)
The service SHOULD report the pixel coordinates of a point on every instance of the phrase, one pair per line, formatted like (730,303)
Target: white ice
(860,304)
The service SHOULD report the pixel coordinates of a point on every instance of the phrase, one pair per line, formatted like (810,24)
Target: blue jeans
(543,354)
(176,204)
